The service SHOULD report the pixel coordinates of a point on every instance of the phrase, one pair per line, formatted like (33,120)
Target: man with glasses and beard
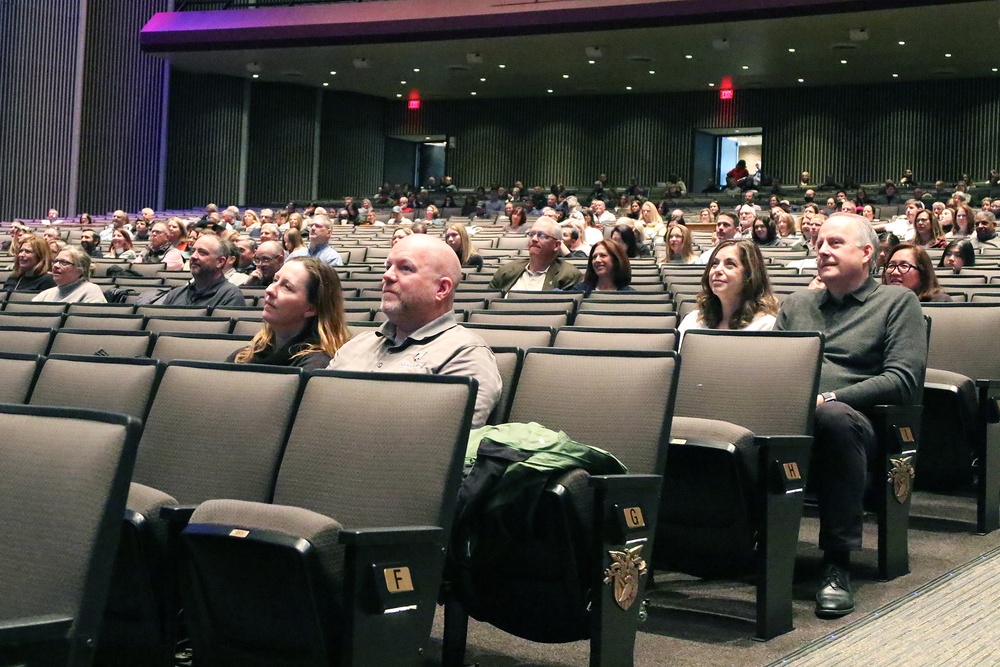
(543,270)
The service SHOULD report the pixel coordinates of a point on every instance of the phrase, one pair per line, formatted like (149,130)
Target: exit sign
(726,94)
(415,104)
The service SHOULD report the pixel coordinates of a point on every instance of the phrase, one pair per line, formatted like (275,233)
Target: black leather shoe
(834,598)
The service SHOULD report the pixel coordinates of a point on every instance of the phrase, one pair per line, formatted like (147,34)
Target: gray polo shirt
(875,349)
(440,347)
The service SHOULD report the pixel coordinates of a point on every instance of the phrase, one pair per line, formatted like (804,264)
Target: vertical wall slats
(352,145)
(280,154)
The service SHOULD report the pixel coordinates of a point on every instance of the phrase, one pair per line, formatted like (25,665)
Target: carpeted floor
(941,539)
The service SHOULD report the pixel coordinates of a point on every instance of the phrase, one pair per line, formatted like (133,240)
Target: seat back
(723,372)
(509,362)
(204,325)
(340,443)
(194,346)
(109,384)
(102,343)
(65,480)
(599,338)
(961,338)
(202,441)
(504,335)
(25,340)
(30,319)
(637,437)
(630,319)
(103,322)
(17,376)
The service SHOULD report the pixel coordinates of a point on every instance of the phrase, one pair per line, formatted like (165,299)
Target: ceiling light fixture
(483,79)
(256,76)
(325,84)
(802,80)
(473,92)
(746,67)
(399,94)
(502,66)
(902,43)
(711,85)
(628,87)
(416,69)
(843,62)
(895,76)
(591,61)
(549,90)
(402,83)
(332,73)
(947,55)
(689,56)
(652,71)
(791,50)
(994,69)
(565,76)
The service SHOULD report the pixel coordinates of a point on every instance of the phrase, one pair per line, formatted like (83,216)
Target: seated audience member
(573,234)
(964,225)
(399,235)
(739,176)
(230,272)
(418,228)
(875,352)
(705,217)
(735,291)
(725,230)
(141,230)
(886,243)
(747,215)
(16,231)
(601,213)
(634,209)
(630,240)
(680,246)
(251,224)
(986,231)
(909,266)
(654,223)
(320,229)
(209,286)
(518,221)
(927,231)
(177,233)
(608,270)
(432,215)
(593,231)
(294,245)
(543,270)
(161,250)
(268,258)
(91,243)
(119,220)
(788,231)
(269,232)
(33,266)
(247,247)
(303,318)
(958,254)
(765,232)
(868,212)
(52,236)
(421,334)
(457,237)
(71,272)
(946,217)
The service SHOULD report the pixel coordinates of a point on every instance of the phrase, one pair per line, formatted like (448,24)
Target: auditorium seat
(104,322)
(199,324)
(601,338)
(109,342)
(17,376)
(510,335)
(197,347)
(110,384)
(25,340)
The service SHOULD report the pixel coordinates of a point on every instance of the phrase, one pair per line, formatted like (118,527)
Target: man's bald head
(418,286)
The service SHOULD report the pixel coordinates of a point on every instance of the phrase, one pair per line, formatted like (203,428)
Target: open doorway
(717,150)
(415,159)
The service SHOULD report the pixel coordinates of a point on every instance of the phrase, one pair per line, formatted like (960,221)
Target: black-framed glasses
(541,236)
(901,267)
(62,262)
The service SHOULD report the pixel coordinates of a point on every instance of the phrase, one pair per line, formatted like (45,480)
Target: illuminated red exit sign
(725,94)
(415,104)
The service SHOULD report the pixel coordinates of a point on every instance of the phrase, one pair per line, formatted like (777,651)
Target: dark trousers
(843,447)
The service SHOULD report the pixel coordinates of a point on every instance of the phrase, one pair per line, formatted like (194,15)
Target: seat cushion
(717,431)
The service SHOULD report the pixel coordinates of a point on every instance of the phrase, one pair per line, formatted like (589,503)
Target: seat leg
(782,508)
(893,525)
(988,484)
(456,631)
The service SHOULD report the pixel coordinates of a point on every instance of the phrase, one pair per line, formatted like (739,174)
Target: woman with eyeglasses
(909,266)
(965,223)
(32,267)
(71,273)
(457,237)
(927,230)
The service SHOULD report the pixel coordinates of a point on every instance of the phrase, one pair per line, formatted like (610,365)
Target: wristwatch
(828,396)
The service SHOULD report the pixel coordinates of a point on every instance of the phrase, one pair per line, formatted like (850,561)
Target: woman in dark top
(32,268)
(470,207)
(627,237)
(303,318)
(608,269)
(958,254)
(909,266)
(457,236)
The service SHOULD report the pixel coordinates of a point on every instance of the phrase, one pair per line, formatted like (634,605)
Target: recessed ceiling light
(994,69)
(502,66)
(902,43)
(399,94)
(802,80)
(628,87)
(483,79)
(565,76)
(549,90)
(402,83)
(326,84)
(591,61)
(791,50)
(416,69)
(333,73)
(473,92)
(256,76)
(652,71)
(689,56)
(843,62)
(947,55)
(895,76)
(710,84)
(746,67)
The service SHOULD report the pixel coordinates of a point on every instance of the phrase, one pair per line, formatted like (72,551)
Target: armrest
(374,537)
(17,632)
(615,483)
(898,412)
(177,516)
(988,384)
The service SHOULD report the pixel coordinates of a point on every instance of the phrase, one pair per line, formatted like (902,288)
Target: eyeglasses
(264,259)
(62,262)
(901,267)
(541,236)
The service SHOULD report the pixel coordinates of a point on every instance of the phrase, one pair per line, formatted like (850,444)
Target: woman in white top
(735,291)
(71,271)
